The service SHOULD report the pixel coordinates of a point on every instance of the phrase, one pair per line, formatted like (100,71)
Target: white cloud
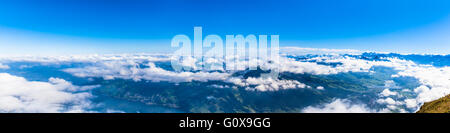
(19,95)
(130,70)
(191,63)
(87,58)
(219,86)
(267,84)
(435,83)
(290,65)
(347,64)
(339,106)
(411,103)
(320,88)
(386,92)
(390,84)
(2,66)
(126,66)
(389,101)
(435,80)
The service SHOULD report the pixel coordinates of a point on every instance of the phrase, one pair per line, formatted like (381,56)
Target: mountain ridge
(441,105)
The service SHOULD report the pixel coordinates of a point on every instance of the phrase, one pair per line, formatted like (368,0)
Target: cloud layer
(57,95)
(131,70)
(434,81)
(339,106)
(2,66)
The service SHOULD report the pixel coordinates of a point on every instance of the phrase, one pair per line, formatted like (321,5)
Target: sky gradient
(124,26)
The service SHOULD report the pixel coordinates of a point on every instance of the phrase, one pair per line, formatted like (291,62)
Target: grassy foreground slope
(441,105)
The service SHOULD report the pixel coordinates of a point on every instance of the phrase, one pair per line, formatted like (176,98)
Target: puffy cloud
(389,101)
(57,95)
(359,65)
(158,74)
(320,88)
(124,66)
(87,58)
(390,84)
(2,66)
(283,63)
(411,103)
(347,64)
(435,80)
(293,66)
(286,64)
(387,92)
(130,70)
(267,84)
(339,106)
(435,83)
(191,63)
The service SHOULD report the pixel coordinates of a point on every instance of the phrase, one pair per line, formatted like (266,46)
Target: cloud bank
(339,106)
(2,66)
(434,81)
(130,70)
(57,95)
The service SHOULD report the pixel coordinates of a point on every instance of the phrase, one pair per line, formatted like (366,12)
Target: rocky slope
(441,105)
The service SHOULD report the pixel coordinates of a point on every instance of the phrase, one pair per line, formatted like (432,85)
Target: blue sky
(121,26)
